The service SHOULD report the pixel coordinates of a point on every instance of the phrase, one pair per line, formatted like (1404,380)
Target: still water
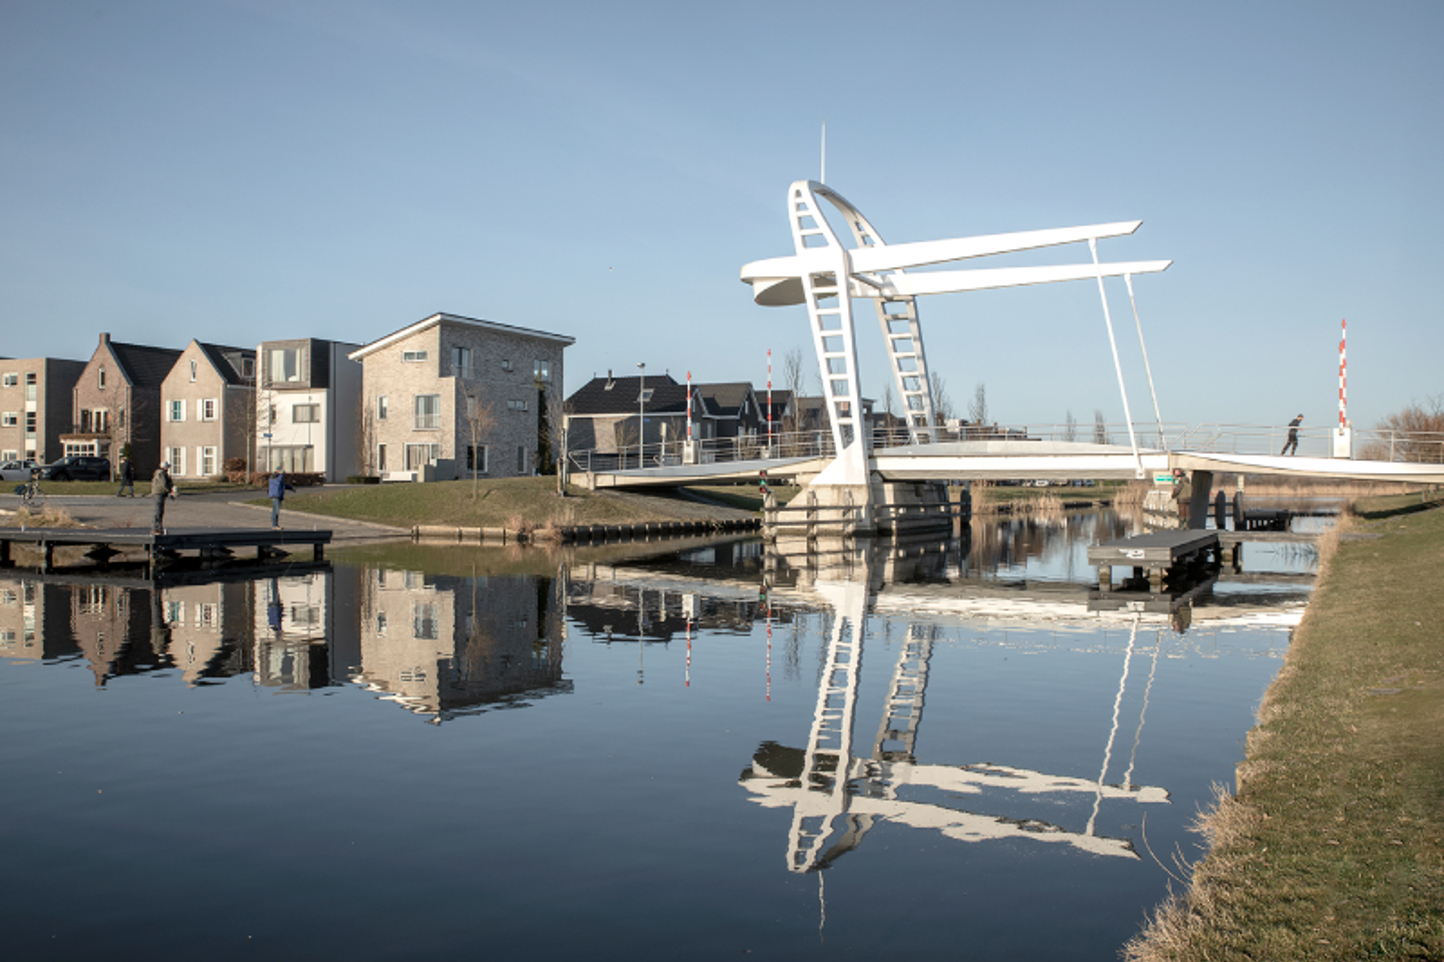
(932,750)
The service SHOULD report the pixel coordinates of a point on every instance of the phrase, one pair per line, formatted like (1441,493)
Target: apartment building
(307,405)
(208,409)
(452,396)
(36,404)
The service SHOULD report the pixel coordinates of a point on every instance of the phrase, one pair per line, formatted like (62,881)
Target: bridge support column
(1198,505)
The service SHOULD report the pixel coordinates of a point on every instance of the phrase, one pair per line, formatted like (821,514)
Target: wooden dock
(1160,555)
(216,544)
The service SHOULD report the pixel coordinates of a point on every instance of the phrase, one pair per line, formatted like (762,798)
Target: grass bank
(512,503)
(1333,846)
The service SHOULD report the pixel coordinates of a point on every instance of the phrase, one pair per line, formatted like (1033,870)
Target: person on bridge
(1291,446)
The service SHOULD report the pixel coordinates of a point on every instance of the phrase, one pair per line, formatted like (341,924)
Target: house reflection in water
(444,645)
(439,645)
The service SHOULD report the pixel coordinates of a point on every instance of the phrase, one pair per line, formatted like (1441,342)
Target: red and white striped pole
(1343,396)
(769,401)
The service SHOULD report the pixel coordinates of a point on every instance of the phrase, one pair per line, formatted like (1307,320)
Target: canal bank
(1332,846)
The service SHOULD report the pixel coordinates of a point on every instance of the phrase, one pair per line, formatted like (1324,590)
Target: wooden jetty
(1160,555)
(216,544)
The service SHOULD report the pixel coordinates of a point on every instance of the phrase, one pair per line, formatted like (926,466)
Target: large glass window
(420,455)
(283,364)
(293,459)
(428,412)
(306,414)
(542,370)
(461,362)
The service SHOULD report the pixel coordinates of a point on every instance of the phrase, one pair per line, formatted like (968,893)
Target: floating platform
(218,544)
(1161,556)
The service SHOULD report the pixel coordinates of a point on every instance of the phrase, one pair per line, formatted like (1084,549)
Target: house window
(520,459)
(425,620)
(100,379)
(542,370)
(100,418)
(293,459)
(30,422)
(29,377)
(176,410)
(12,380)
(306,414)
(283,364)
(208,409)
(10,419)
(248,367)
(476,458)
(193,370)
(428,412)
(177,459)
(419,455)
(381,458)
(380,407)
(516,405)
(461,362)
(506,364)
(207,457)
(414,357)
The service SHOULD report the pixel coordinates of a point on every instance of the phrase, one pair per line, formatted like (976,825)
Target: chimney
(104,338)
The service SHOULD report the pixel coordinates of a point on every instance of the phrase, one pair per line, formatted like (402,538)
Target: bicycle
(30,492)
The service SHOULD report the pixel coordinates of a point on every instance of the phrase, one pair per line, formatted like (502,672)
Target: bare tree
(794,378)
(942,404)
(480,419)
(1415,434)
(978,410)
(365,435)
(1100,428)
(555,410)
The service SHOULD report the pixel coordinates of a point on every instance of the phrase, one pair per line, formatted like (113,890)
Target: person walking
(278,488)
(127,477)
(1291,446)
(161,488)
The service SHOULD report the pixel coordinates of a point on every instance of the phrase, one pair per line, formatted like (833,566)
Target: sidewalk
(211,510)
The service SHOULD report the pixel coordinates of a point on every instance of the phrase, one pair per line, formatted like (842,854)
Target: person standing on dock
(127,477)
(1291,446)
(278,488)
(161,487)
(1182,495)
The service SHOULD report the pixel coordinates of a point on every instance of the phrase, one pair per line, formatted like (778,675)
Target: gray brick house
(450,396)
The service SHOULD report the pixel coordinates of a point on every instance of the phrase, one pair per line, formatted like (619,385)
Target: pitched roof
(227,361)
(143,365)
(606,395)
(723,399)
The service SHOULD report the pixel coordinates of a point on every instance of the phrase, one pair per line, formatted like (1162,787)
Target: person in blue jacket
(278,489)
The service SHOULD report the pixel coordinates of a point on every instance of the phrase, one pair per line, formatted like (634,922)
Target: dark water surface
(930,751)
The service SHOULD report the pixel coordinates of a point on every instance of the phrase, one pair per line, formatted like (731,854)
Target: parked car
(77,467)
(17,470)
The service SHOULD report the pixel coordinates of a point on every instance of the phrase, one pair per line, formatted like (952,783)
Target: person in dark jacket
(278,488)
(161,487)
(1291,446)
(127,478)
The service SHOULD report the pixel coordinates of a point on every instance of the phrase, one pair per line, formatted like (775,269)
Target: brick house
(602,415)
(307,402)
(208,409)
(36,398)
(421,382)
(116,401)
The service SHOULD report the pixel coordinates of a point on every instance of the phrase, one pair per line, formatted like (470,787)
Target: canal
(678,750)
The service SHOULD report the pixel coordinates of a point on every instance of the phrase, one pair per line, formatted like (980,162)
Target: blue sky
(236,171)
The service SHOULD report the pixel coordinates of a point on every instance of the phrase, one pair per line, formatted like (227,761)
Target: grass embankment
(511,503)
(1333,847)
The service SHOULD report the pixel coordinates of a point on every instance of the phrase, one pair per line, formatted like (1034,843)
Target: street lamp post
(641,410)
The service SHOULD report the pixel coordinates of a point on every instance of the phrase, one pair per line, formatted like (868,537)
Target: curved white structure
(825,275)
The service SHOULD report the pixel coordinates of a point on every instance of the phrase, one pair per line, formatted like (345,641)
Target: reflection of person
(127,478)
(279,487)
(1291,446)
(273,610)
(161,487)
(1182,495)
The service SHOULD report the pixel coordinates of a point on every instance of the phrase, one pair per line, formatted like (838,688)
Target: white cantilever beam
(949,282)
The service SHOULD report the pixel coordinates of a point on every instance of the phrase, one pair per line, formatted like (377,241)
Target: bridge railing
(798,444)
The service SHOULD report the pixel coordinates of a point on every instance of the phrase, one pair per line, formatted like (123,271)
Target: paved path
(216,510)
